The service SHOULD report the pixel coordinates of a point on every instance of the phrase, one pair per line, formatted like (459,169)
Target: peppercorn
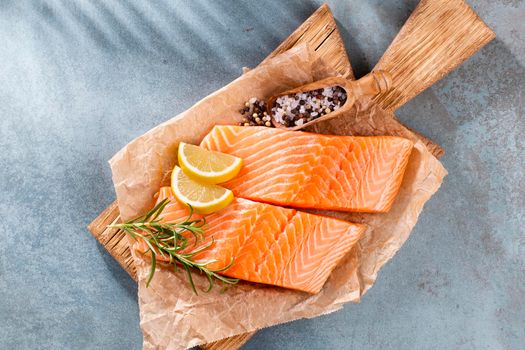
(254,113)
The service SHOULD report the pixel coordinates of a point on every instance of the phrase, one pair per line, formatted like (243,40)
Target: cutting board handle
(438,36)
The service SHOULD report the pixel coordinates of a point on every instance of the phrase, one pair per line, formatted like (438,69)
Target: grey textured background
(81,79)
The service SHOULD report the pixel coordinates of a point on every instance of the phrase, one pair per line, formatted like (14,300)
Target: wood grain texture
(438,36)
(231,343)
(423,52)
(320,32)
(113,240)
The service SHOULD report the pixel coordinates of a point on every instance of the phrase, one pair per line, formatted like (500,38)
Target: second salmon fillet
(306,170)
(268,244)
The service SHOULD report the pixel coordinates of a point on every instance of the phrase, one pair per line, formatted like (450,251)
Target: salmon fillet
(305,170)
(269,244)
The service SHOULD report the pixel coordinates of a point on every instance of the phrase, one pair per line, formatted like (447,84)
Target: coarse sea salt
(301,108)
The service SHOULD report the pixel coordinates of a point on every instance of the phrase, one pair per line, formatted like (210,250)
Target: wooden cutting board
(438,36)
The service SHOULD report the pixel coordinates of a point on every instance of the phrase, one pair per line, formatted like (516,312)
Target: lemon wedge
(204,198)
(207,166)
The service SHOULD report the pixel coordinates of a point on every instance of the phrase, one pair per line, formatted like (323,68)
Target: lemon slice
(207,166)
(204,198)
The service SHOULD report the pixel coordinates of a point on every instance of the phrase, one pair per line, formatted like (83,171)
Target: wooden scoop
(370,85)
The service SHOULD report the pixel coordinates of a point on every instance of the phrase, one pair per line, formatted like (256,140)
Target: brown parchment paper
(172,317)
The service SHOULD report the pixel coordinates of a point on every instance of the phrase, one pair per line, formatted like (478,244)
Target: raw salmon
(270,244)
(305,170)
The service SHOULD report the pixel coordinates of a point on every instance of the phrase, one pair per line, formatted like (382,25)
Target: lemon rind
(208,177)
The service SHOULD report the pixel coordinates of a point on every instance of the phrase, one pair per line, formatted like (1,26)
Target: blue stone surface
(79,79)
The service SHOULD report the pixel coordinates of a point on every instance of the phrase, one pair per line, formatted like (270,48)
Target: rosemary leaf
(190,278)
(153,265)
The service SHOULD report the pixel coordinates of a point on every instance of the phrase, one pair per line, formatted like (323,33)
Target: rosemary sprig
(168,240)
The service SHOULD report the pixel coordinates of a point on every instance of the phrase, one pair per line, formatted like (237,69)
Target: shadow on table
(180,31)
(118,273)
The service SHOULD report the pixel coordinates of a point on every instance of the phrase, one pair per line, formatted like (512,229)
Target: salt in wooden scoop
(370,85)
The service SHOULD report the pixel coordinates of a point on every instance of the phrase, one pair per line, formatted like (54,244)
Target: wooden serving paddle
(370,85)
